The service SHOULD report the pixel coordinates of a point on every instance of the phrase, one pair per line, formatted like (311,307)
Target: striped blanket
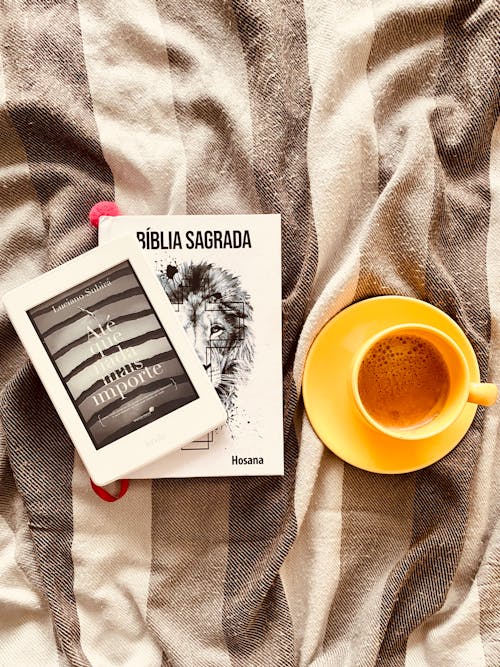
(372,127)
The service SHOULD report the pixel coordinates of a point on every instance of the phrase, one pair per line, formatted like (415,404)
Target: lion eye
(215,328)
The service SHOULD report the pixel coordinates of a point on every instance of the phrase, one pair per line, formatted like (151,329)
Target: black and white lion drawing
(217,316)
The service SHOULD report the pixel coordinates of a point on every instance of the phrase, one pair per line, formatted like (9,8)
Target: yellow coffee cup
(412,381)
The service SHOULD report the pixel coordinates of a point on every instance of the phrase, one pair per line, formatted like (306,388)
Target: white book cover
(222,274)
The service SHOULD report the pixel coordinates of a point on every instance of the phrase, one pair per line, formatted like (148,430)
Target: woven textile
(372,127)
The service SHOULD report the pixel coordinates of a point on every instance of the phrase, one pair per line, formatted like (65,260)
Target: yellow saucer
(328,397)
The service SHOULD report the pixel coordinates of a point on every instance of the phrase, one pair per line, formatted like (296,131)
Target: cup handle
(482,393)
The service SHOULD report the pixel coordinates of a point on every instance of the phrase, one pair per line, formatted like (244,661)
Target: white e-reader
(114,359)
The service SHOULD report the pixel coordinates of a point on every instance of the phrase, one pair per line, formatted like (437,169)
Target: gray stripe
(189,542)
(50,108)
(262,522)
(456,281)
(188,560)
(220,178)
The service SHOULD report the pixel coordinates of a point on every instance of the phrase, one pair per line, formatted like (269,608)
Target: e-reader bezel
(152,440)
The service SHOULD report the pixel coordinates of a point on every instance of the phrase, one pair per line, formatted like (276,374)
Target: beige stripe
(111,555)
(311,570)
(212,103)
(488,578)
(371,506)
(134,112)
(342,144)
(341,199)
(378,511)
(342,163)
(129,79)
(394,258)
(26,624)
(450,638)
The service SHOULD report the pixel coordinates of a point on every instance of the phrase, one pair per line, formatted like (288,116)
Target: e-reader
(114,359)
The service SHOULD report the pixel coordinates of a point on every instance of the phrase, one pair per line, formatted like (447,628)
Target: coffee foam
(403,381)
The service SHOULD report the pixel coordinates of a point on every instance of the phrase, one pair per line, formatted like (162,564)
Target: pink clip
(102,208)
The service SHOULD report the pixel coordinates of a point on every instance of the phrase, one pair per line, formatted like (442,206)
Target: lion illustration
(216,314)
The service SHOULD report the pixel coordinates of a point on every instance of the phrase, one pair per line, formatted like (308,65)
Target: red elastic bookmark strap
(106,208)
(102,493)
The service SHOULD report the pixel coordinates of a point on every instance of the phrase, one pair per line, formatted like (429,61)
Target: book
(222,275)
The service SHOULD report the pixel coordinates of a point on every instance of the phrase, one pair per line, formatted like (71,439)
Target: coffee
(403,381)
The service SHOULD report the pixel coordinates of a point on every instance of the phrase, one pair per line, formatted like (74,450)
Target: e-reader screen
(112,354)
